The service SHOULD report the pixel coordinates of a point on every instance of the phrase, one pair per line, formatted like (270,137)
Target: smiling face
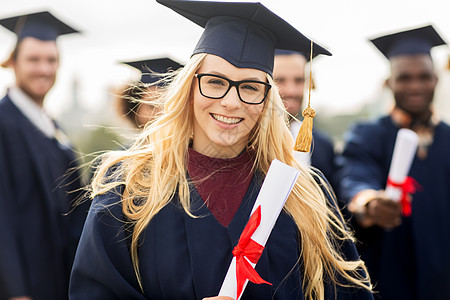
(35,67)
(222,126)
(413,82)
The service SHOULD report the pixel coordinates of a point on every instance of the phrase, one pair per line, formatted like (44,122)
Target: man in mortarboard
(289,75)
(38,181)
(137,101)
(407,256)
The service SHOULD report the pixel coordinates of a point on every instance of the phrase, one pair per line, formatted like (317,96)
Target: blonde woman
(167,214)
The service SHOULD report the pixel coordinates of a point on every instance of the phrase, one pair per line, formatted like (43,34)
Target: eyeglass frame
(231,84)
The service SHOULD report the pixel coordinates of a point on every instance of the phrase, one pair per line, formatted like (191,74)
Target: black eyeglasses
(216,87)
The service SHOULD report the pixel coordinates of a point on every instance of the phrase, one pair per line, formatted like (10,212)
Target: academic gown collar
(32,111)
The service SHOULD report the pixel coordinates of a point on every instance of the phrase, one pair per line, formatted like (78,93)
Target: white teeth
(226,120)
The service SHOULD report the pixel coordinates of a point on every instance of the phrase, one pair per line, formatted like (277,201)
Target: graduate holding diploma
(167,214)
(406,244)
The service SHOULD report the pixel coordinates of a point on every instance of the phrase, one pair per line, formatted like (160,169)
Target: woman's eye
(216,82)
(250,87)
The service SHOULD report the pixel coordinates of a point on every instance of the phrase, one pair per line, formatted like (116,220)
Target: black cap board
(413,41)
(243,33)
(152,68)
(40,25)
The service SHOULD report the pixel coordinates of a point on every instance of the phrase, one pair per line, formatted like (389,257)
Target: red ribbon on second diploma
(409,186)
(248,248)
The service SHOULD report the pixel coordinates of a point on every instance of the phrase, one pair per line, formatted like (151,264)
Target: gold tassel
(304,137)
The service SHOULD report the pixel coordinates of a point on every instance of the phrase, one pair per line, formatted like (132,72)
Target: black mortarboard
(290,52)
(243,33)
(41,25)
(413,41)
(152,68)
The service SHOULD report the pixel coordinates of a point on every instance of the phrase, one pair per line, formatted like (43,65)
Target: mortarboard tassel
(304,137)
(448,63)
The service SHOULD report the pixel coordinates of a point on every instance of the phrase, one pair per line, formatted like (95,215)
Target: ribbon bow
(409,186)
(248,249)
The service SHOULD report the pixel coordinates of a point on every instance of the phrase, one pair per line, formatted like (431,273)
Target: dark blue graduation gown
(411,261)
(38,241)
(323,158)
(181,257)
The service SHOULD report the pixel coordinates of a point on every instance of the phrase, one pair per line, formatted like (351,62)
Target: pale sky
(114,31)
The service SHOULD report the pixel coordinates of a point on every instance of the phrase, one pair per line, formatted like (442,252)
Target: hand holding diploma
(399,186)
(385,208)
(279,181)
(383,212)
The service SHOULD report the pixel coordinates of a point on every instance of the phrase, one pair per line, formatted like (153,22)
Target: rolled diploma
(277,186)
(402,158)
(303,158)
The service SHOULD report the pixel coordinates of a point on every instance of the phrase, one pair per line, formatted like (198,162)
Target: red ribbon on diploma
(409,186)
(248,248)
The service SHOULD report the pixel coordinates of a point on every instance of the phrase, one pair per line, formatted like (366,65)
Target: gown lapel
(31,137)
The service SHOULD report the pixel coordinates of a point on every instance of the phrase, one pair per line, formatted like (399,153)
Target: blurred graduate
(289,76)
(38,183)
(167,214)
(407,256)
(138,101)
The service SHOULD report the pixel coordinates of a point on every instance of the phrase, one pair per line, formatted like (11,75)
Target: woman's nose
(231,99)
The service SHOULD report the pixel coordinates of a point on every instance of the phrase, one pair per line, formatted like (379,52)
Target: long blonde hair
(154,170)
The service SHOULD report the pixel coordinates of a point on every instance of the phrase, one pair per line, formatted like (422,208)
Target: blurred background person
(290,78)
(407,257)
(137,102)
(38,172)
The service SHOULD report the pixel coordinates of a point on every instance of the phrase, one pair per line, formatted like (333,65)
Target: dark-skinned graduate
(39,182)
(407,254)
(167,214)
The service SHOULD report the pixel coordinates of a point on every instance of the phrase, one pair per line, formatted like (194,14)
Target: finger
(389,203)
(391,223)
(388,212)
(387,207)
